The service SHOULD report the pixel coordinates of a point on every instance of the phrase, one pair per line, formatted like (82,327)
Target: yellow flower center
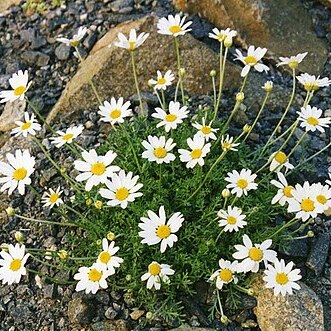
(175,29)
(53,198)
(74,43)
(163,231)
(94,275)
(20,173)
(307,205)
(15,264)
(132,45)
(206,129)
(104,257)
(160,152)
(312,121)
(196,153)
(311,86)
(221,36)
(231,220)
(321,199)
(255,254)
(250,60)
(116,113)
(280,157)
(161,81)
(282,278)
(293,64)
(225,275)
(67,136)
(242,183)
(26,125)
(122,193)
(154,269)
(98,168)
(19,90)
(226,145)
(287,190)
(170,118)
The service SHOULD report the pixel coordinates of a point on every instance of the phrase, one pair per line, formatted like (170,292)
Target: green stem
(134,71)
(163,104)
(179,68)
(283,227)
(45,222)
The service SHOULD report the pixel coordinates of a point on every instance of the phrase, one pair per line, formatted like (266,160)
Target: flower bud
(99,242)
(212,73)
(250,292)
(226,193)
(111,236)
(10,211)
(246,128)
(62,254)
(268,86)
(88,202)
(62,170)
(149,315)
(224,319)
(310,234)
(207,108)
(98,204)
(181,72)
(150,83)
(19,236)
(128,278)
(240,97)
(4,247)
(228,42)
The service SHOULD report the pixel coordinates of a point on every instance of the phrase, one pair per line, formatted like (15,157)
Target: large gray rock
(12,112)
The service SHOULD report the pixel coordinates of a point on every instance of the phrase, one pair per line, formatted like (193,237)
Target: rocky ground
(29,41)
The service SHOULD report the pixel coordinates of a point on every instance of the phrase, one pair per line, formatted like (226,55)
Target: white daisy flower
(329,181)
(175,116)
(29,126)
(115,111)
(205,131)
(19,84)
(252,60)
(91,279)
(252,255)
(157,229)
(281,278)
(173,25)
(311,83)
(75,40)
(17,173)
(157,274)
(133,42)
(122,189)
(311,120)
(107,258)
(226,273)
(242,182)
(227,143)
(284,194)
(278,160)
(52,198)
(95,169)
(68,136)
(268,86)
(12,264)
(303,203)
(157,149)
(199,150)
(232,219)
(221,35)
(321,194)
(292,61)
(162,82)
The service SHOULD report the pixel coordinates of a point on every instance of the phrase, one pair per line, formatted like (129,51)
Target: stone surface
(12,112)
(187,327)
(302,311)
(5,4)
(326,2)
(80,311)
(118,325)
(271,24)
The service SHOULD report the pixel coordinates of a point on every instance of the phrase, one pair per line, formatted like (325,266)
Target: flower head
(19,84)
(175,116)
(68,136)
(227,144)
(226,273)
(268,86)
(157,229)
(284,193)
(232,219)
(29,126)
(95,169)
(252,60)
(12,264)
(157,274)
(292,61)
(321,194)
(115,111)
(251,255)
(52,198)
(205,130)
(157,149)
(133,42)
(242,182)
(221,35)
(313,83)
(173,25)
(107,258)
(198,150)
(278,160)
(310,118)
(122,188)
(281,278)
(75,40)
(162,82)
(17,173)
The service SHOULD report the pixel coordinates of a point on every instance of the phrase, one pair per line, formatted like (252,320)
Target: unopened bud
(250,292)
(98,204)
(207,108)
(268,86)
(62,254)
(88,202)
(240,97)
(19,236)
(10,211)
(151,83)
(149,315)
(224,319)
(111,236)
(310,234)
(212,73)
(246,128)
(181,72)
(128,278)
(62,170)
(99,242)
(4,247)
(228,42)
(226,193)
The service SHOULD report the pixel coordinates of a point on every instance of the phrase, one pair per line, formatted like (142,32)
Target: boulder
(13,111)
(302,311)
(268,23)
(5,4)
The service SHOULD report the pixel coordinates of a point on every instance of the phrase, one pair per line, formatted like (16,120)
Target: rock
(326,2)
(187,327)
(5,4)
(35,58)
(13,111)
(110,313)
(49,291)
(136,314)
(118,325)
(80,311)
(262,23)
(319,253)
(301,311)
(117,6)
(62,52)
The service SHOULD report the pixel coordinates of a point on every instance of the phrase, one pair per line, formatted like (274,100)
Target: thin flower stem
(219,302)
(241,289)
(286,225)
(52,279)
(218,236)
(234,201)
(297,144)
(214,91)
(47,263)
(160,177)
(45,222)
(89,79)
(301,227)
(34,191)
(176,91)
(163,100)
(158,97)
(179,68)
(134,71)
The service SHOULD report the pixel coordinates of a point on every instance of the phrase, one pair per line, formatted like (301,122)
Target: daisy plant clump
(174,198)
